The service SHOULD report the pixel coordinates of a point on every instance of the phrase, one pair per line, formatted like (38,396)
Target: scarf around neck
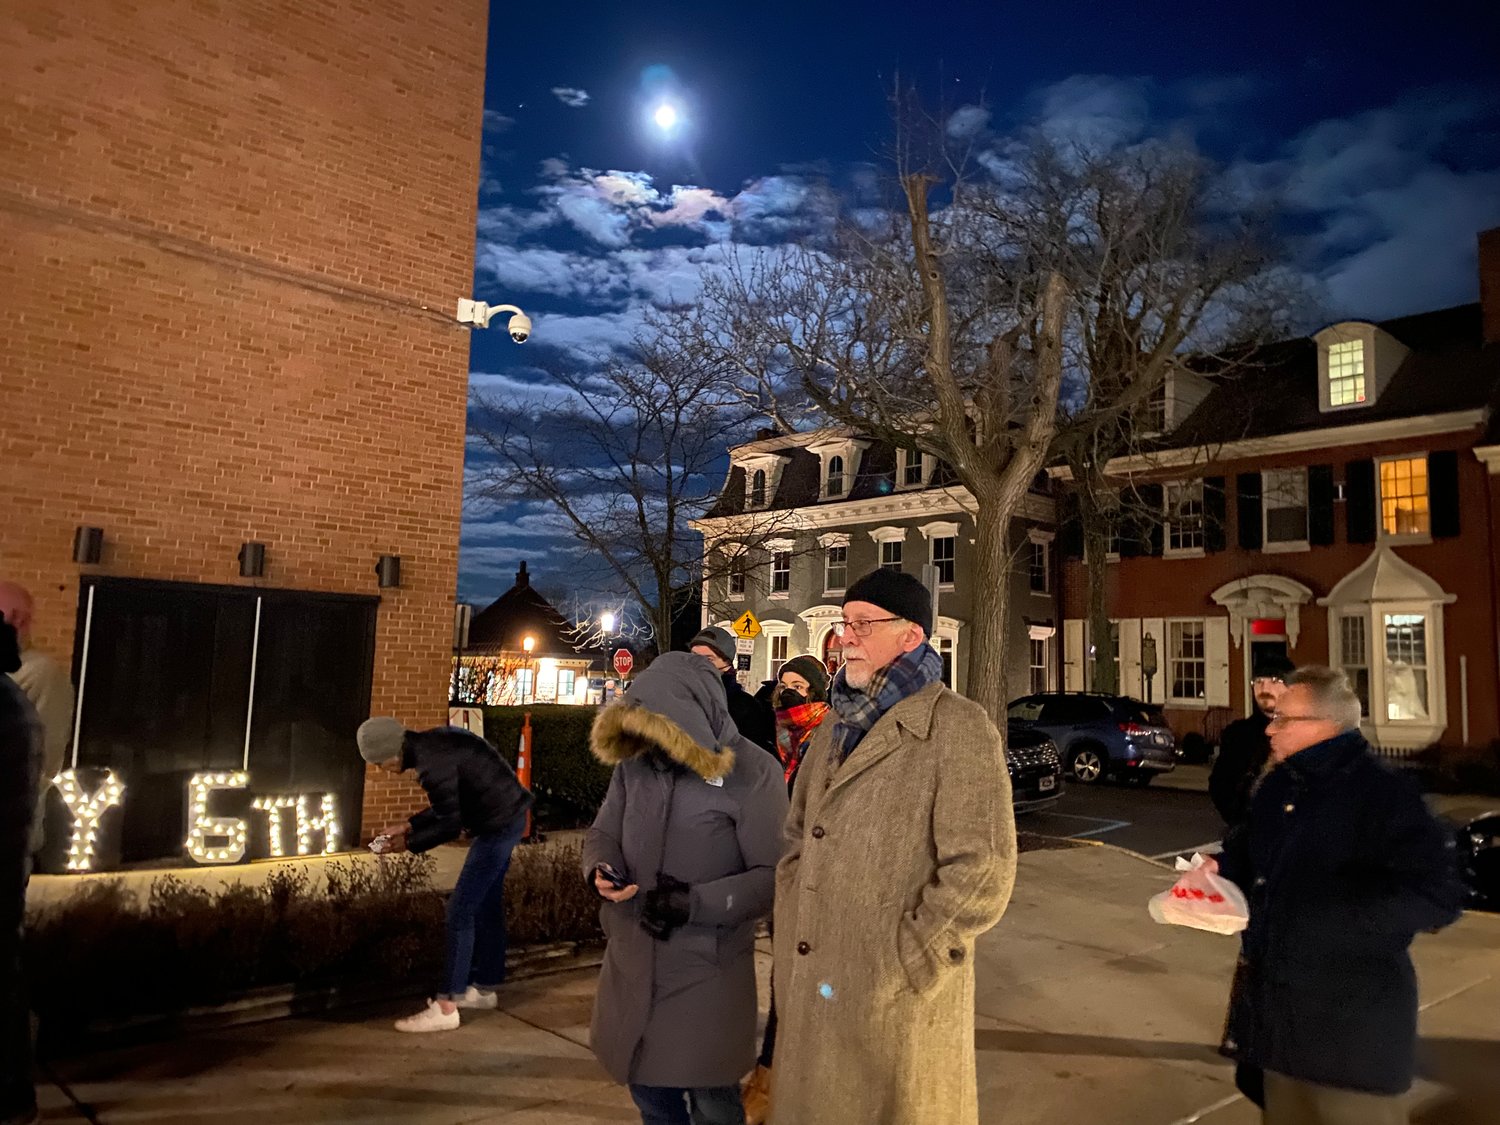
(859,711)
(794,730)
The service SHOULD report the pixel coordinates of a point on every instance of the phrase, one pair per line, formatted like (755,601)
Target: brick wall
(219,226)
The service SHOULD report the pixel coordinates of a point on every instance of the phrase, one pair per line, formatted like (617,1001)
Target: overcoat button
(803,949)
(1288,808)
(818,832)
(1260,880)
(956,955)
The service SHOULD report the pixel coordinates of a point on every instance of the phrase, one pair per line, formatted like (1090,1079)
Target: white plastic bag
(1201,899)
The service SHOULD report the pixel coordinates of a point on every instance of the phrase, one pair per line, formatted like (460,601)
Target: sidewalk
(1087,1012)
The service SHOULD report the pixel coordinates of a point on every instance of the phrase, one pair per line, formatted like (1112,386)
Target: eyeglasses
(1279,720)
(860,628)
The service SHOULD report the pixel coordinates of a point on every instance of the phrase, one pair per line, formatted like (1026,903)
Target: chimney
(1489,283)
(522,578)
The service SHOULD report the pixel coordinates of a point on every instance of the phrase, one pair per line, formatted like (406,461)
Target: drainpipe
(1463,695)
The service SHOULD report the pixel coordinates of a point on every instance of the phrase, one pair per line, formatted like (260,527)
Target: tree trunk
(1095,547)
(989,622)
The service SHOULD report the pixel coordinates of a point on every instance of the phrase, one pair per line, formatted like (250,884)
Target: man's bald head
(16,606)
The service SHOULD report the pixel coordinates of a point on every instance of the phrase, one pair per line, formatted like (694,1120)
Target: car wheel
(1086,765)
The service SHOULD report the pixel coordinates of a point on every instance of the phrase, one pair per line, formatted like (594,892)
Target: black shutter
(1148,532)
(1320,505)
(1442,493)
(1248,511)
(1359,493)
(1215,514)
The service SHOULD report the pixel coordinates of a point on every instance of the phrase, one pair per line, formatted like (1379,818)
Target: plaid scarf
(858,711)
(794,730)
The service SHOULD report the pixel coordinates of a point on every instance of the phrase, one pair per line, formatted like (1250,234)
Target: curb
(1069,841)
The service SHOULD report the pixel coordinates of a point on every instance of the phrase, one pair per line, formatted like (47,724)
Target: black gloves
(666,906)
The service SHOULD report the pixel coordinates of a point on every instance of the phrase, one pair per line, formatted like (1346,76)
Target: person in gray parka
(684,852)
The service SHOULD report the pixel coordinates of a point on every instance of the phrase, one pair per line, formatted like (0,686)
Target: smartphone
(612,877)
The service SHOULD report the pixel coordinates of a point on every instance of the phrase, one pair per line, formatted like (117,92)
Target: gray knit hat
(380,740)
(717,639)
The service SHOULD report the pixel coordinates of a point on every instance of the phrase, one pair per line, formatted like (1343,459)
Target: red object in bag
(1202,899)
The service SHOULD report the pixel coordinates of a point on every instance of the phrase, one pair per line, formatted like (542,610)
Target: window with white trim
(1041,680)
(835,569)
(834,484)
(1184,517)
(1187,669)
(1284,507)
(1407,685)
(758,489)
(1346,373)
(945,646)
(1404,511)
(781,572)
(567,682)
(1038,568)
(780,643)
(913,469)
(1153,411)
(1354,656)
(890,554)
(944,556)
(737,573)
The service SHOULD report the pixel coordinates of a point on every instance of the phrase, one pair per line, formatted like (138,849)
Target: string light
(87,809)
(202,827)
(326,822)
(272,806)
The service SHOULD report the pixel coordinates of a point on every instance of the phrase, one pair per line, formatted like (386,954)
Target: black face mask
(787,698)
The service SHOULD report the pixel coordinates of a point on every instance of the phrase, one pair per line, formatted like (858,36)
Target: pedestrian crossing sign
(746,625)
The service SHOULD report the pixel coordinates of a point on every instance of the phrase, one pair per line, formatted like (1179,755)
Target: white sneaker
(474,998)
(430,1018)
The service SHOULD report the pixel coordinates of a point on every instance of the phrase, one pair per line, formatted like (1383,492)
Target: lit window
(1037,568)
(944,646)
(835,476)
(1406,683)
(1346,373)
(835,569)
(1354,657)
(525,684)
(758,489)
(890,554)
(566,682)
(1285,502)
(943,548)
(737,577)
(781,572)
(779,645)
(912,470)
(1039,678)
(1403,497)
(1185,517)
(1189,662)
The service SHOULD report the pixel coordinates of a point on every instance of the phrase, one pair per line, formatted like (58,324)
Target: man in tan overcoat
(900,852)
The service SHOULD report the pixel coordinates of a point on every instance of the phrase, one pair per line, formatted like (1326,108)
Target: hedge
(568,780)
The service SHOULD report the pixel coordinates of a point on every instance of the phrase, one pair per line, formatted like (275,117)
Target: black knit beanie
(811,669)
(900,594)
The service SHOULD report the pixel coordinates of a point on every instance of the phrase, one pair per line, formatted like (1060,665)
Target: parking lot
(1159,821)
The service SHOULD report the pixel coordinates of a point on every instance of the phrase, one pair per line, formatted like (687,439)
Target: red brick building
(231,240)
(1337,501)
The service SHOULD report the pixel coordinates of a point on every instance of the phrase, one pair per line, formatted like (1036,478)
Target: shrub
(569,782)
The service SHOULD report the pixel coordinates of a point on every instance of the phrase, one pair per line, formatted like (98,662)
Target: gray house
(801,516)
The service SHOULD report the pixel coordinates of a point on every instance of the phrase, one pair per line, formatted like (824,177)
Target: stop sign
(624,662)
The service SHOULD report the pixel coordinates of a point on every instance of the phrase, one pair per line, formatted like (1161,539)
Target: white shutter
(1216,650)
(1130,658)
(1073,654)
(1157,628)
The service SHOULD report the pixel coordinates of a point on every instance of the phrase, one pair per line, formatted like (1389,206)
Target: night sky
(1380,137)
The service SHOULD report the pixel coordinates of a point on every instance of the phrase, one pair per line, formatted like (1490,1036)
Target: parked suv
(1035,768)
(1101,736)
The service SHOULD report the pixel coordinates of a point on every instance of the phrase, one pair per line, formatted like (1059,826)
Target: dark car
(1479,860)
(1101,736)
(1035,768)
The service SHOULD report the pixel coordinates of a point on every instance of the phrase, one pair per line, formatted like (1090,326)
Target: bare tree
(627,457)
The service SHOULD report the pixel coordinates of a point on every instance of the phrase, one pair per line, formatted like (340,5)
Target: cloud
(571,96)
(497,122)
(1094,110)
(967,121)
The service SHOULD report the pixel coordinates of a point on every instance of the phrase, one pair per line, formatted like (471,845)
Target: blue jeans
(673,1105)
(476,915)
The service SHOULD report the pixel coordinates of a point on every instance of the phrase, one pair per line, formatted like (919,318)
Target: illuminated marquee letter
(326,822)
(87,809)
(202,828)
(272,807)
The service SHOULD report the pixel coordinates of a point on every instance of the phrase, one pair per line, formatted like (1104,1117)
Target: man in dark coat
(1343,866)
(684,852)
(753,716)
(1245,745)
(22,739)
(474,790)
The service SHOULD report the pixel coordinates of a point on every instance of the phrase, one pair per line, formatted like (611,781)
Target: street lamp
(607,626)
(528,644)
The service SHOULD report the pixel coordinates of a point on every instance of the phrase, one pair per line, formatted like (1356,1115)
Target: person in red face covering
(801,702)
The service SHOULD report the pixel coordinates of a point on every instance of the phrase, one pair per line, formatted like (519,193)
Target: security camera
(520,328)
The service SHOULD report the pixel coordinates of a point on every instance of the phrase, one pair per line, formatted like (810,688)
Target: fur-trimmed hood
(676,706)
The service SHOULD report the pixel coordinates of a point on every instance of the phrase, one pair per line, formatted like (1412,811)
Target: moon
(665,116)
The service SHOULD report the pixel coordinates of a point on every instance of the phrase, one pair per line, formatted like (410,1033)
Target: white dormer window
(834,483)
(758,488)
(762,474)
(1346,373)
(913,467)
(840,465)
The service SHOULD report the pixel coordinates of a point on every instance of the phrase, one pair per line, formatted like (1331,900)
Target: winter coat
(752,716)
(692,799)
(1244,749)
(1342,865)
(21,750)
(896,861)
(471,787)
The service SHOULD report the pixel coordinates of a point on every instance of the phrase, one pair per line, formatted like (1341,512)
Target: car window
(1134,711)
(1025,710)
(1072,709)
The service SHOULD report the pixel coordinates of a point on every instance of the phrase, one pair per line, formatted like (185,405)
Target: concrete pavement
(1087,1012)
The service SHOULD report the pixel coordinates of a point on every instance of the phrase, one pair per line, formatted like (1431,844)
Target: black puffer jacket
(1244,749)
(471,787)
(752,715)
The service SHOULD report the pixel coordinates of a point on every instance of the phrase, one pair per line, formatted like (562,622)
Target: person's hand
(397,830)
(607,889)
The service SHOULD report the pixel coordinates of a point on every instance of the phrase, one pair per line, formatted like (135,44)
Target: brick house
(231,240)
(825,507)
(1337,501)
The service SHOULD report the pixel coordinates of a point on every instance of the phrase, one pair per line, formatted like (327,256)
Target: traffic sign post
(623,661)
